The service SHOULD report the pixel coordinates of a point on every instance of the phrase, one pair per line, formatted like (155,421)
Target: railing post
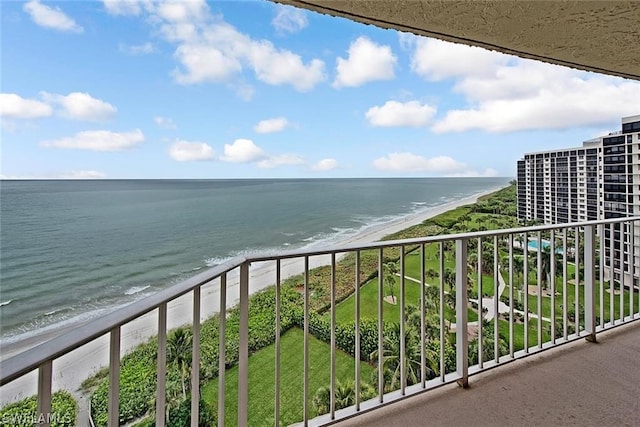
(243,344)
(462,361)
(114,378)
(589,283)
(44,392)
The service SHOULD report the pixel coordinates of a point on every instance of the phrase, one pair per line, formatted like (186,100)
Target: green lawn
(345,311)
(262,383)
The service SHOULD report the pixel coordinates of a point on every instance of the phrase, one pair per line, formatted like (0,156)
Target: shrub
(24,413)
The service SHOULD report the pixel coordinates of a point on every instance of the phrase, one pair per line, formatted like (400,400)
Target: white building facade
(599,180)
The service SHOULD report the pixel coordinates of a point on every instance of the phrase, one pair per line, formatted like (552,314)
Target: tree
(450,279)
(488,347)
(545,265)
(179,347)
(390,271)
(345,395)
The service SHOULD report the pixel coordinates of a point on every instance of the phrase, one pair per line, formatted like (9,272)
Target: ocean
(74,250)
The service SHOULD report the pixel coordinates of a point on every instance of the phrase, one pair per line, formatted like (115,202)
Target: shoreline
(74,367)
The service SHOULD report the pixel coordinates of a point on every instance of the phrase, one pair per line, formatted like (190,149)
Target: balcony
(539,292)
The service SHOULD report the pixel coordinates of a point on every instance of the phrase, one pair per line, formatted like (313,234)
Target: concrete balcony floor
(579,383)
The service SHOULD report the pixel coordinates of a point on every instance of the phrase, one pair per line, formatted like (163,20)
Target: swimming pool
(533,245)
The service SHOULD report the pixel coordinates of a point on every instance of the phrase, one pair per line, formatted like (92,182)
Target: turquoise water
(533,245)
(73,250)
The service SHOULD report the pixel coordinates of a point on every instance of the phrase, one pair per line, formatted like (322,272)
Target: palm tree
(546,266)
(391,357)
(390,271)
(179,347)
(449,279)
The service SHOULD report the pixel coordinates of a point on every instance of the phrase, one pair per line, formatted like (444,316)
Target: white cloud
(165,122)
(271,125)
(409,162)
(533,96)
(123,7)
(98,140)
(243,151)
(209,49)
(325,165)
(81,106)
(48,17)
(76,174)
(14,106)
(140,49)
(277,67)
(367,62)
(81,174)
(488,173)
(202,63)
(437,60)
(289,19)
(394,113)
(509,94)
(188,151)
(281,160)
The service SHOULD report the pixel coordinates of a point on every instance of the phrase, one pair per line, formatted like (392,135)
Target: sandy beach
(71,369)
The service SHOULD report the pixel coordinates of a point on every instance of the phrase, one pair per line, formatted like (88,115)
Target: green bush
(24,413)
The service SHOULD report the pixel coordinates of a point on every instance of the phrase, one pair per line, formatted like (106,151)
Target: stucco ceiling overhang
(600,36)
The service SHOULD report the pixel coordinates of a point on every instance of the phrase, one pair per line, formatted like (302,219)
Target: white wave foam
(58,310)
(7,302)
(136,289)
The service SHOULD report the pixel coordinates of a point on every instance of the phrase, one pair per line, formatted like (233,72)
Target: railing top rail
(24,362)
(20,364)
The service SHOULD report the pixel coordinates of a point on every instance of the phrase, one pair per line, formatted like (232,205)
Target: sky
(253,89)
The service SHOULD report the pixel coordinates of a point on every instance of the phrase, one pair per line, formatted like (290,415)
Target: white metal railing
(584,245)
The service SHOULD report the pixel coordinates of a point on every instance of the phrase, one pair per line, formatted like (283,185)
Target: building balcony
(404,321)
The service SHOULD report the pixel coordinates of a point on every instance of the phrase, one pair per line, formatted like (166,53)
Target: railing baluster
(511,319)
(634,269)
(621,225)
(44,392)
(423,297)
(222,355)
(601,256)
(357,349)
(305,393)
(565,293)
(442,312)
(114,377)
(539,299)
(552,277)
(462,341)
(276,409)
(612,292)
(195,359)
(480,306)
(332,398)
(631,268)
(496,301)
(589,285)
(403,363)
(161,393)
(380,327)
(525,291)
(576,258)
(243,347)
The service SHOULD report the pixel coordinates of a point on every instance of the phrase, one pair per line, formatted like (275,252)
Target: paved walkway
(576,384)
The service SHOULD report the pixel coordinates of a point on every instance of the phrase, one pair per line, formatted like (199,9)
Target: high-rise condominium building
(599,180)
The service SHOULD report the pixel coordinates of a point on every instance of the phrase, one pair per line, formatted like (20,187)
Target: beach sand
(71,369)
